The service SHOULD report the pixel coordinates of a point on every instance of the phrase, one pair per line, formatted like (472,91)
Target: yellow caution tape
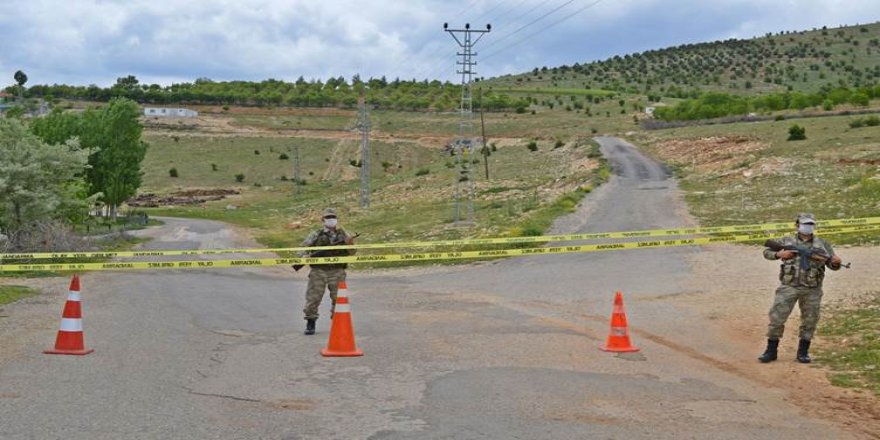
(826,225)
(390,258)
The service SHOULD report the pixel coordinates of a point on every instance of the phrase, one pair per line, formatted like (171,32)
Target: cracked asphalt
(501,349)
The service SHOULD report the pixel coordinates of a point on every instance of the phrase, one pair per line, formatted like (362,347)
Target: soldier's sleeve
(770,254)
(350,251)
(309,241)
(831,253)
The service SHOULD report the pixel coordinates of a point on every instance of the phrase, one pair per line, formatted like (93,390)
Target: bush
(520,110)
(532,146)
(239,177)
(422,171)
(857,123)
(355,163)
(558,144)
(779,118)
(257,152)
(872,121)
(213,167)
(283,156)
(797,133)
(172,172)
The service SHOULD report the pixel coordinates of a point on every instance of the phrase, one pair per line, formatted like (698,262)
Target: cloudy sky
(95,41)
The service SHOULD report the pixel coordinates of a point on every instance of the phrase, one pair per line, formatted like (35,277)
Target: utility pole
(363,125)
(297,177)
(463,147)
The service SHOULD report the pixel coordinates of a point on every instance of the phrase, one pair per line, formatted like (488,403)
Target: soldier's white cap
(806,218)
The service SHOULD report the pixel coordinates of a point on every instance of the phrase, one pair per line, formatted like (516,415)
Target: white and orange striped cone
(70,335)
(341,343)
(618,338)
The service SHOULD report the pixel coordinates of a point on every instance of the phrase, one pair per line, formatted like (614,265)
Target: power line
(519,29)
(551,25)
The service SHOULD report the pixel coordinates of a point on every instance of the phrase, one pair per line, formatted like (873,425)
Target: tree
(115,132)
(797,133)
(36,179)
(21,78)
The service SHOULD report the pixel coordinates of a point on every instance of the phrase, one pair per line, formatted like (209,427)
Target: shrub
(257,152)
(172,172)
(872,121)
(283,156)
(422,171)
(284,178)
(355,163)
(779,118)
(797,133)
(239,177)
(857,123)
(520,109)
(213,167)
(558,144)
(225,108)
(532,146)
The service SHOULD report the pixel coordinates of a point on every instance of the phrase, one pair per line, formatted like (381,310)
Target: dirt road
(504,349)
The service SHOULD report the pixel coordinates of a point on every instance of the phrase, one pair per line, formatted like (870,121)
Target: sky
(82,42)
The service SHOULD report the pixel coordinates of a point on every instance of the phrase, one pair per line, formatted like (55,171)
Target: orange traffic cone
(618,339)
(70,335)
(341,341)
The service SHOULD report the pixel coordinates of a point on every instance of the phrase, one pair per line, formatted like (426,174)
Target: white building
(170,112)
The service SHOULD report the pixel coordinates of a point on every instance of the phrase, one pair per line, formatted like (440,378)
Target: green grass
(554,91)
(831,173)
(408,203)
(11,293)
(851,345)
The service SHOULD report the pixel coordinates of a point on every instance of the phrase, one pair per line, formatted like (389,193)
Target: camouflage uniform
(324,276)
(800,285)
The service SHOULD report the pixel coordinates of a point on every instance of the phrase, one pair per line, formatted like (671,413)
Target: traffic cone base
(618,339)
(341,343)
(71,352)
(70,338)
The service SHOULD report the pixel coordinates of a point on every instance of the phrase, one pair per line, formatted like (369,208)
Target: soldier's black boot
(310,326)
(770,354)
(803,355)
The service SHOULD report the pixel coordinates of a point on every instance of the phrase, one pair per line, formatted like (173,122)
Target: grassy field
(854,346)
(750,172)
(10,293)
(412,178)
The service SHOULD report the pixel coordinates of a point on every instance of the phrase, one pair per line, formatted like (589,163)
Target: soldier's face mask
(330,222)
(806,228)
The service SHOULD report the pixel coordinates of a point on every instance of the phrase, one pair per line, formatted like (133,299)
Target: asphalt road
(503,349)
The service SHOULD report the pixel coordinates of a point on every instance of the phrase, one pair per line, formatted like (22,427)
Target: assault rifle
(805,253)
(323,252)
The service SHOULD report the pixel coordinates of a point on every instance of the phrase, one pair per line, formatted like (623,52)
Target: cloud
(94,41)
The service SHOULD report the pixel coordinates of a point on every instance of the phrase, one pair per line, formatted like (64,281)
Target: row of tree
(58,165)
(334,92)
(716,105)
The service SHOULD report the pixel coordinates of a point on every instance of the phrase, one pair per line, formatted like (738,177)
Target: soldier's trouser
(319,281)
(808,298)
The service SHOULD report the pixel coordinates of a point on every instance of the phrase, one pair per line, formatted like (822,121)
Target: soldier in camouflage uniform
(324,276)
(804,258)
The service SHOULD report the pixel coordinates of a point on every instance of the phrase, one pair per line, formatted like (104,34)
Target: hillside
(805,61)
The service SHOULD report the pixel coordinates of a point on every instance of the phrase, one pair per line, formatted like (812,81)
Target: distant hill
(807,61)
